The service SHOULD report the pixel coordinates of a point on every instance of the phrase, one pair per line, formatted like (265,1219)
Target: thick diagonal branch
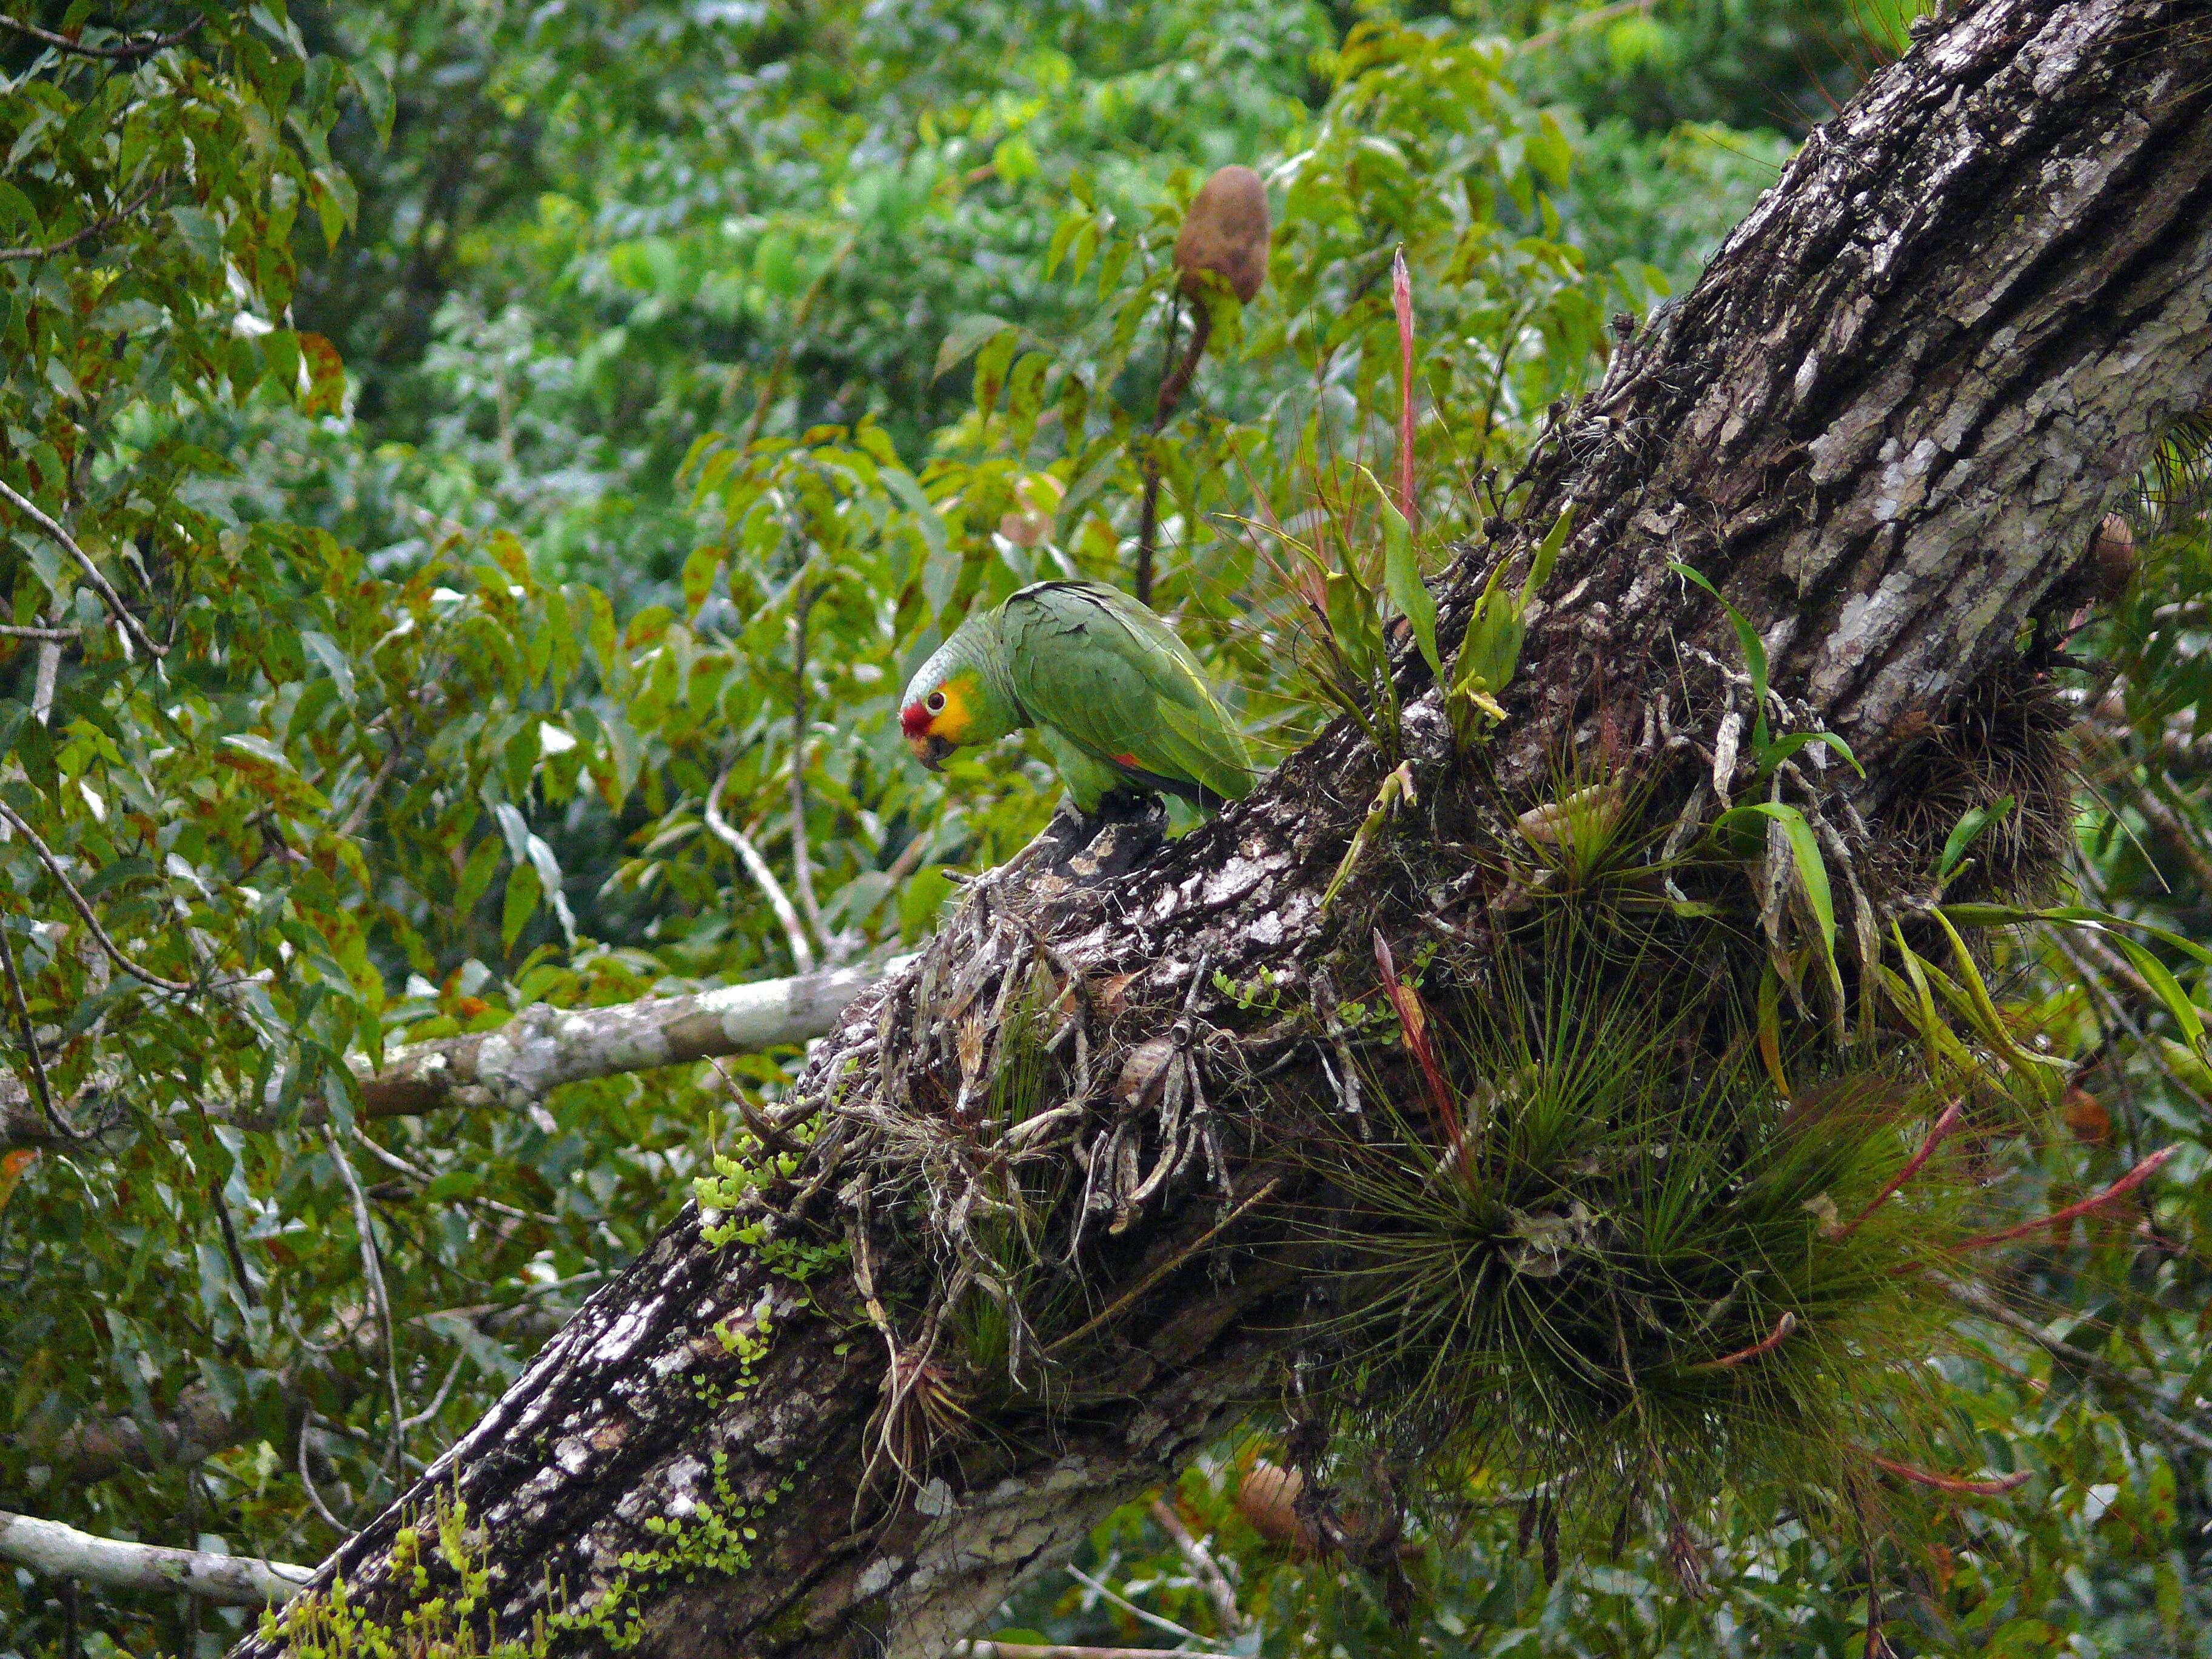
(1883,422)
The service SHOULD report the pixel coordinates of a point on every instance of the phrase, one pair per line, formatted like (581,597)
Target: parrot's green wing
(1113,681)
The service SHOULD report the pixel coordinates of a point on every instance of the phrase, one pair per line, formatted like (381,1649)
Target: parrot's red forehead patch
(914,720)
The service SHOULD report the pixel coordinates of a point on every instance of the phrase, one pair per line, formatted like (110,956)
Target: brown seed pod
(1267,1499)
(1225,231)
(2086,1115)
(2113,557)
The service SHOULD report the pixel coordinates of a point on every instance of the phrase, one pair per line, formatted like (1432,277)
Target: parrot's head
(951,700)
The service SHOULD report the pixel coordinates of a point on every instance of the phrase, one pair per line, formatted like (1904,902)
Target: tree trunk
(1884,423)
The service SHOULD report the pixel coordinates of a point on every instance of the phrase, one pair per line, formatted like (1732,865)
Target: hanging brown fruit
(1225,231)
(1267,1499)
(2086,1116)
(2113,557)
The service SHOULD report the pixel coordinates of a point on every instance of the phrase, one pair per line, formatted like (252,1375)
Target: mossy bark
(1885,424)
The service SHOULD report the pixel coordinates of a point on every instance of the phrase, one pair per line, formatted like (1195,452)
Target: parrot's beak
(930,750)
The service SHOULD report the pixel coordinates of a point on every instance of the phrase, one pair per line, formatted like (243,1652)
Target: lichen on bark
(1884,424)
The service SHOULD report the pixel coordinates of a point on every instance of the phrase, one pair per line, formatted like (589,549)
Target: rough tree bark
(1884,422)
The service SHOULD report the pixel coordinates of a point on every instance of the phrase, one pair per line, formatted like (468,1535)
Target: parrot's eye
(936,703)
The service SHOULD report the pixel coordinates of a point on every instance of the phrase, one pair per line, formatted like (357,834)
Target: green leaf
(1548,553)
(926,519)
(524,888)
(202,235)
(1804,853)
(1747,640)
(1402,577)
(2166,988)
(1785,747)
(325,651)
(1970,824)
(701,567)
(477,874)
(964,338)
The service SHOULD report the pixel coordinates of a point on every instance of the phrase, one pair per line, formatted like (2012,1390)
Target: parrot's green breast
(1121,699)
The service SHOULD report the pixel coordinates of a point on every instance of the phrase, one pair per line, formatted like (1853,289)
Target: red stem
(1413,1021)
(1768,1343)
(2120,1188)
(1951,1483)
(1937,1133)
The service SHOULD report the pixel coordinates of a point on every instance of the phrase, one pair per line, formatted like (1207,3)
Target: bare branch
(543,1047)
(130,625)
(802,860)
(372,1269)
(1208,1571)
(48,250)
(802,951)
(51,636)
(22,1007)
(84,908)
(123,51)
(1985,1304)
(49,1549)
(1130,1607)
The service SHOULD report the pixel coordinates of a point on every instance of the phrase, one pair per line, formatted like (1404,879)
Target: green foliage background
(518,422)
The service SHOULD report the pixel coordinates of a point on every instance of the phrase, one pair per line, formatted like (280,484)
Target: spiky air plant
(2004,742)
(1591,1260)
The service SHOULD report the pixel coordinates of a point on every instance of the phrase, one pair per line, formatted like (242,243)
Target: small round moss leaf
(1225,231)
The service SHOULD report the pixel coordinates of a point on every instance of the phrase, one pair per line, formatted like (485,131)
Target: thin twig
(383,775)
(315,1493)
(373,1273)
(22,1005)
(793,332)
(1130,1607)
(438,1400)
(802,862)
(105,589)
(1202,1563)
(1114,1309)
(124,52)
(47,250)
(84,908)
(802,953)
(1172,387)
(986,1649)
(1985,1304)
(769,1134)
(391,1160)
(51,636)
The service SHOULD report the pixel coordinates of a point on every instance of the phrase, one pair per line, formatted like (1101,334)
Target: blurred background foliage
(540,439)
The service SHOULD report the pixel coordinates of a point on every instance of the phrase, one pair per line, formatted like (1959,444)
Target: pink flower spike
(1765,1344)
(1401,300)
(1952,1483)
(2120,1188)
(1936,1133)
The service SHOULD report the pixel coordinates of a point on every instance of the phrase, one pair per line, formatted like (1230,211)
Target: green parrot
(1120,701)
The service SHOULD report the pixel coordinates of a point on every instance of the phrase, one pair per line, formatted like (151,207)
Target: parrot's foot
(1100,846)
